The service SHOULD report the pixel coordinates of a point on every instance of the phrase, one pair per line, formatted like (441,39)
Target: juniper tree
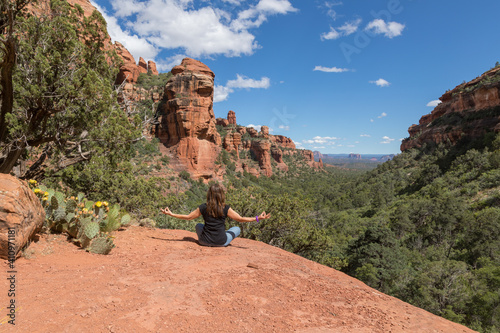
(63,103)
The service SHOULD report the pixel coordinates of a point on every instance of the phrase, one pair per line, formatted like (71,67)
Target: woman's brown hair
(216,200)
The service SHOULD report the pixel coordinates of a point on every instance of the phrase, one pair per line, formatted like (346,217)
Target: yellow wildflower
(98,204)
(45,199)
(46,194)
(105,203)
(37,190)
(32,181)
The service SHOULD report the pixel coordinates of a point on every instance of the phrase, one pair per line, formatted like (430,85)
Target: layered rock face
(267,149)
(469,110)
(187,124)
(283,141)
(261,149)
(21,215)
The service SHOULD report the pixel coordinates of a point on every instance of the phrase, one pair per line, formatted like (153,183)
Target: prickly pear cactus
(91,229)
(86,221)
(101,245)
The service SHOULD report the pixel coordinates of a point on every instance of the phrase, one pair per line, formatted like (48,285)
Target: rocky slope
(468,111)
(163,281)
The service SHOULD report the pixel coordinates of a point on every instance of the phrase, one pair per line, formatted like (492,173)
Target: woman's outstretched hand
(166,211)
(264,216)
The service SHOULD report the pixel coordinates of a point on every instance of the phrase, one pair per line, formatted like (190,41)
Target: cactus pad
(91,230)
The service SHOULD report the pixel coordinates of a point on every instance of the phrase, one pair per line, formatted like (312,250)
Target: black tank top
(214,231)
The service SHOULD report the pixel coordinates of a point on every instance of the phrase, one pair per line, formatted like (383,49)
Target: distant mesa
(355,156)
(468,111)
(317,155)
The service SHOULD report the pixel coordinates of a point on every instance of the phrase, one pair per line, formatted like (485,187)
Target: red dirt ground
(163,281)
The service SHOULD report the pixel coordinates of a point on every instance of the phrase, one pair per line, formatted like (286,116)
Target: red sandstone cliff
(468,111)
(187,124)
(267,149)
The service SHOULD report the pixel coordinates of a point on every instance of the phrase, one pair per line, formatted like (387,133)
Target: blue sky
(335,76)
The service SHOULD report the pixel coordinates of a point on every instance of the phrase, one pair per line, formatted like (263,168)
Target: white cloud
(330,69)
(382,115)
(245,82)
(330,11)
(386,140)
(275,6)
(434,103)
(389,29)
(283,127)
(254,16)
(345,30)
(221,93)
(365,135)
(257,127)
(233,2)
(198,31)
(371,120)
(137,46)
(381,83)
(322,140)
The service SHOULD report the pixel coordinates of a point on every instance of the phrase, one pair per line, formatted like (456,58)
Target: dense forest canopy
(424,227)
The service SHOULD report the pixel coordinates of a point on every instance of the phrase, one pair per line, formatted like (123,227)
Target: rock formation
(468,111)
(152,67)
(232,141)
(130,70)
(143,66)
(283,141)
(241,130)
(21,215)
(261,149)
(277,155)
(231,117)
(221,122)
(187,124)
(253,132)
(264,132)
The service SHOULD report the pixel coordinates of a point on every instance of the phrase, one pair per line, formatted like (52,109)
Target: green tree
(9,13)
(65,107)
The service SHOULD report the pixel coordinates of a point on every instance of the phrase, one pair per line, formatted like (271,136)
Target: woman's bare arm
(191,216)
(235,216)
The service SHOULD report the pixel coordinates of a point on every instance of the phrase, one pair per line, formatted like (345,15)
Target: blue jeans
(231,234)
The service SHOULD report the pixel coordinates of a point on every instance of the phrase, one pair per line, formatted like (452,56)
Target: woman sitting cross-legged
(214,212)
